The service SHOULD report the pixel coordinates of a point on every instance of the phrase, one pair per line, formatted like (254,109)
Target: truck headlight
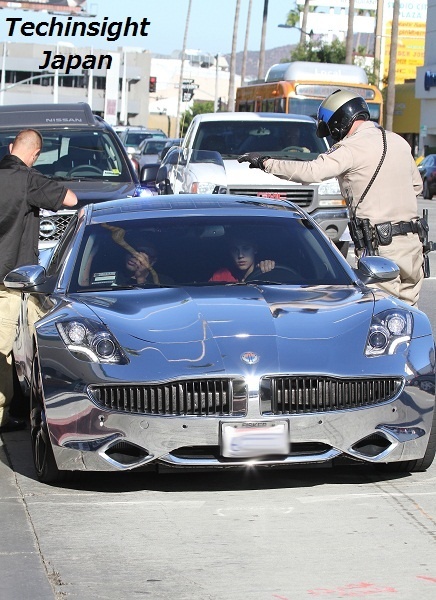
(329,188)
(205,187)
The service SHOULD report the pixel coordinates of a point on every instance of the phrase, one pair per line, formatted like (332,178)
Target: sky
(210,26)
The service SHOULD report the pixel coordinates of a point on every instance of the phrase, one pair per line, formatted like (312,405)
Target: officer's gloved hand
(255,159)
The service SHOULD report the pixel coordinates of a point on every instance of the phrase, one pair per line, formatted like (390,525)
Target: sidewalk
(23,575)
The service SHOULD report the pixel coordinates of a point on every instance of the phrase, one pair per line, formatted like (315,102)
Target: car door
(168,178)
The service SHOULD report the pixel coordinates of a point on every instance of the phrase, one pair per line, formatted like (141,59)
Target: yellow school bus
(299,87)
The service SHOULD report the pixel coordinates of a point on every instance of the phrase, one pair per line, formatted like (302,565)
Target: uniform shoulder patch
(333,148)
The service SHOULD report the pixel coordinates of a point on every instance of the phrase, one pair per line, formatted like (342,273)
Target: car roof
(77,114)
(205,203)
(252,116)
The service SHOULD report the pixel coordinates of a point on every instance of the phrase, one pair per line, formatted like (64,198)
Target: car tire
(426,191)
(42,451)
(419,465)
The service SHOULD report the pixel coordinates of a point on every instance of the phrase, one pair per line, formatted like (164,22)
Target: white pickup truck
(276,135)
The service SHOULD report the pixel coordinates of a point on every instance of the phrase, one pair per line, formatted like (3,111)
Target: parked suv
(276,135)
(79,149)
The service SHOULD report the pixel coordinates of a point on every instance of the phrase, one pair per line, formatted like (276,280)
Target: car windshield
(77,154)
(134,139)
(152,146)
(277,138)
(191,250)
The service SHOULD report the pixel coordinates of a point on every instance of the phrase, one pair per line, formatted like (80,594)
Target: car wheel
(43,457)
(416,466)
(426,191)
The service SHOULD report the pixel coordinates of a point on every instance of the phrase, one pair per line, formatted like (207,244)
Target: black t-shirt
(23,191)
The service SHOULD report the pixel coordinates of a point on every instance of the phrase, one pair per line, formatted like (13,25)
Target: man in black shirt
(24,191)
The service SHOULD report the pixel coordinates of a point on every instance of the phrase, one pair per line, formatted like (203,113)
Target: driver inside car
(243,254)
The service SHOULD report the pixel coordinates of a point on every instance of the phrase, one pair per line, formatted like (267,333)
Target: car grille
(210,397)
(228,397)
(52,227)
(303,394)
(300,195)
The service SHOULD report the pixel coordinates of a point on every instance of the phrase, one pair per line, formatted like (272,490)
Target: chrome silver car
(304,364)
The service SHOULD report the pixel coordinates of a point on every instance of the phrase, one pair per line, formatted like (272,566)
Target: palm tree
(231,102)
(261,68)
(303,31)
(244,56)
(293,20)
(185,37)
(350,34)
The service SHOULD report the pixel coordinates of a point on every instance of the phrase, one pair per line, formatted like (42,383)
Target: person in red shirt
(243,253)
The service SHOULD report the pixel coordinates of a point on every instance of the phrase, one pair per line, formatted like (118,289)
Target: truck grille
(209,397)
(51,227)
(300,195)
(305,394)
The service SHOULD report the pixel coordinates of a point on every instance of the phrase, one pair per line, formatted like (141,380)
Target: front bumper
(88,437)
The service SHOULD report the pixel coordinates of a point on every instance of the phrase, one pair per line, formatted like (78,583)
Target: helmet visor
(322,129)
(323,117)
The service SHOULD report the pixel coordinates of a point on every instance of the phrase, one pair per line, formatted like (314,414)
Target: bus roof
(312,71)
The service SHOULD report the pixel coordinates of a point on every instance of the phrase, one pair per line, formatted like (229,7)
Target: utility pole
(390,94)
(215,103)
(378,40)
(179,102)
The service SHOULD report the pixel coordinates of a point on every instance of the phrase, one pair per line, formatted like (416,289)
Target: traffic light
(220,104)
(152,84)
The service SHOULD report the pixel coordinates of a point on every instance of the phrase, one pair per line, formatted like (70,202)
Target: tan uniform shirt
(353,160)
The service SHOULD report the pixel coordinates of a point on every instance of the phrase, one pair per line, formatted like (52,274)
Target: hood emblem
(250,358)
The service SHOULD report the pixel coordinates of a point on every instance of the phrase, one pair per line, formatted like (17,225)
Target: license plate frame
(253,439)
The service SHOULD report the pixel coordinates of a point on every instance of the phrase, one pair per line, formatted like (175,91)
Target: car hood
(187,331)
(240,174)
(99,191)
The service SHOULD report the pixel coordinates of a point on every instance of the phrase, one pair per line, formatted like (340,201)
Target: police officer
(354,159)
(23,192)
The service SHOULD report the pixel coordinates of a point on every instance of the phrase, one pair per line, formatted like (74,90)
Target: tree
(293,20)
(231,106)
(261,68)
(244,56)
(198,108)
(349,42)
(320,51)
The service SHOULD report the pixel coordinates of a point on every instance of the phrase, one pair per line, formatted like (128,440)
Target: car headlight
(388,330)
(91,341)
(329,188)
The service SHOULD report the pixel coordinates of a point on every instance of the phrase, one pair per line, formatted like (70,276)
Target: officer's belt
(404,227)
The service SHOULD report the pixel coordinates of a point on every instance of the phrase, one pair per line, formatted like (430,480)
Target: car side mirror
(25,278)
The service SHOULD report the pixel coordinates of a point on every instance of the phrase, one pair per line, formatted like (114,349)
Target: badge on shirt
(333,148)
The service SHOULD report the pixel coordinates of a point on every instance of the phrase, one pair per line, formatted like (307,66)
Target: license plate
(255,438)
